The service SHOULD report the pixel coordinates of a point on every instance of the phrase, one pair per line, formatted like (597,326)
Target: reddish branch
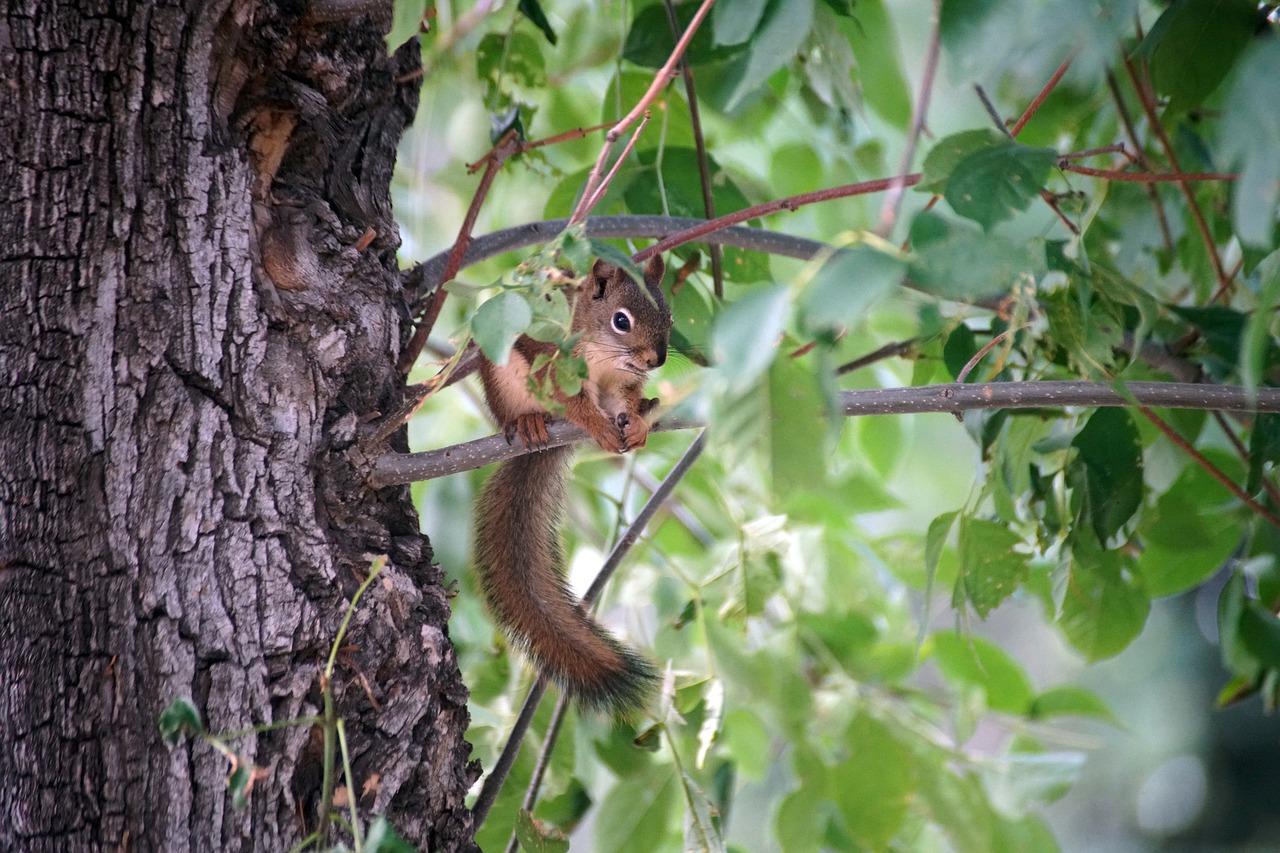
(1145,177)
(893,200)
(595,186)
(1039,99)
(790,203)
(508,146)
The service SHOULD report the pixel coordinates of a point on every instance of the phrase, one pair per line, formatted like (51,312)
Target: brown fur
(517,545)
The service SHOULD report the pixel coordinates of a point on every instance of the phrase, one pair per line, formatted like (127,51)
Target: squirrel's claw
(531,427)
(635,431)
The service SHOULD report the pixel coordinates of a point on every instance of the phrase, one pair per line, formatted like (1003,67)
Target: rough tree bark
(193,338)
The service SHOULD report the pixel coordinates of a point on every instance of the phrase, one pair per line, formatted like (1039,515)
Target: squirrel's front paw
(611,439)
(531,427)
(635,431)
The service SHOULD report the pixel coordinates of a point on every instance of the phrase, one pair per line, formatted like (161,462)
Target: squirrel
(624,330)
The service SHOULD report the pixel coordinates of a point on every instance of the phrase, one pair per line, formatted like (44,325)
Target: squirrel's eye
(621,322)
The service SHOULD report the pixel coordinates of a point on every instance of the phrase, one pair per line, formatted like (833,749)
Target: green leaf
(975,661)
(181,717)
(1187,535)
(879,69)
(746,740)
(509,65)
(1259,630)
(498,322)
(745,336)
(959,806)
(567,809)
(649,42)
(1257,338)
(1069,701)
(990,568)
(955,262)
(873,787)
(734,21)
(1106,473)
(1237,657)
(950,151)
(960,347)
(536,837)
(383,838)
(637,811)
(1221,327)
(801,823)
(777,39)
(994,184)
(1246,139)
(1104,608)
(238,784)
(1019,782)
(701,820)
(935,539)
(798,459)
(1193,45)
(691,329)
(532,10)
(846,287)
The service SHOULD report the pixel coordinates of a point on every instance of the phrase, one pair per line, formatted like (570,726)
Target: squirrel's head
(628,322)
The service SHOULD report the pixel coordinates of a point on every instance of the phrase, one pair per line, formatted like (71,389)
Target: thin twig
(501,151)
(510,750)
(591,193)
(890,350)
(992,112)
(1147,99)
(980,354)
(1166,235)
(1213,470)
(700,148)
(617,164)
(1145,177)
(893,200)
(790,203)
(544,760)
(1039,99)
(526,146)
(497,776)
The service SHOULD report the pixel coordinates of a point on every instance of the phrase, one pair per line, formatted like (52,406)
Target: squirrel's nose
(658,357)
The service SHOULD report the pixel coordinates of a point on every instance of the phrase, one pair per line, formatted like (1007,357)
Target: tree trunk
(193,339)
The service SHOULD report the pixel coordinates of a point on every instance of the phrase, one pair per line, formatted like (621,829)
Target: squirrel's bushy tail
(521,570)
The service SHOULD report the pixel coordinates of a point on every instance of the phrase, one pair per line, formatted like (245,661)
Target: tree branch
(398,468)
(427,276)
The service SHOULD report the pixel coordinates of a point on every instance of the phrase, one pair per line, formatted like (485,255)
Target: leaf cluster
(823,694)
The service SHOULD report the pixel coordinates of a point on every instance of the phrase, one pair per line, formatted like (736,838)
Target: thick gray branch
(425,277)
(395,468)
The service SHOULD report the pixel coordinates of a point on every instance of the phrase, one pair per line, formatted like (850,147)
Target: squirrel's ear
(601,273)
(654,272)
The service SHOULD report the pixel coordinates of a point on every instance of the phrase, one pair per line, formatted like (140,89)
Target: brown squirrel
(624,330)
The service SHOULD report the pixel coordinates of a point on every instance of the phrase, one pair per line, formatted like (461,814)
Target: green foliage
(815,702)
